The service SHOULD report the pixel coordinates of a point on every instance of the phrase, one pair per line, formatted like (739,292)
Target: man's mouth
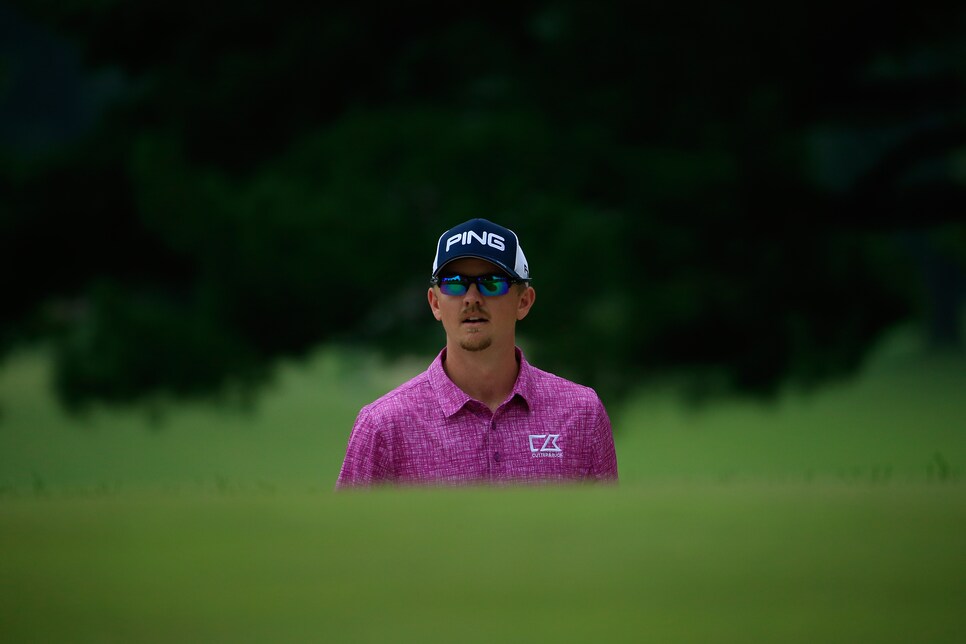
(474,320)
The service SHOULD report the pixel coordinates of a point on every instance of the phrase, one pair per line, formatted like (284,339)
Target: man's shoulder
(544,383)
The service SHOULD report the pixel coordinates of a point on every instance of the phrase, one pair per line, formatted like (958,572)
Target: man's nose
(472,295)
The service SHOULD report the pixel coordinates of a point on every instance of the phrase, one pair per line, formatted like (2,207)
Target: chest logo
(545,446)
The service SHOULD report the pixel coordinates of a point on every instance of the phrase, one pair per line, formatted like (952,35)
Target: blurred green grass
(667,563)
(836,515)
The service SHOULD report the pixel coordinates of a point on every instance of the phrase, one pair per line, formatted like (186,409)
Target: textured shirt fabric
(428,431)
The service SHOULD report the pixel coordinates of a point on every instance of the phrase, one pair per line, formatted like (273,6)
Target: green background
(745,226)
(837,516)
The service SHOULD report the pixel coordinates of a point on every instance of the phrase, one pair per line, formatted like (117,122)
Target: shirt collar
(451,398)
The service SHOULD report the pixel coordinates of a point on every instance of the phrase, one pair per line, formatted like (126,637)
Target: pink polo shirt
(428,431)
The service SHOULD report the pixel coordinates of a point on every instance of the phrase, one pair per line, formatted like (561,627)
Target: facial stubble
(471,343)
(478,345)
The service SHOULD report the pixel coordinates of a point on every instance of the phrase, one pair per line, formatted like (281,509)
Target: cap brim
(500,265)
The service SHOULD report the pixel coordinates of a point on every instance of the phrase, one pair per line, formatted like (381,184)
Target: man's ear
(433,297)
(527,298)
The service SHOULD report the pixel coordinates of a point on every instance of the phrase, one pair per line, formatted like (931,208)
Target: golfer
(481,414)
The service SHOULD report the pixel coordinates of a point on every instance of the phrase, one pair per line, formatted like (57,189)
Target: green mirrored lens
(491,286)
(453,285)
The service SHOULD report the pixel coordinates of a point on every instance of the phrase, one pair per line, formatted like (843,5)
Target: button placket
(496,456)
(487,428)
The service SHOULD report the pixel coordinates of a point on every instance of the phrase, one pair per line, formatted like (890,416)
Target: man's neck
(487,375)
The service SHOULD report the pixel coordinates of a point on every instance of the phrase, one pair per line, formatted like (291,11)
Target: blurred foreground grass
(834,516)
(667,563)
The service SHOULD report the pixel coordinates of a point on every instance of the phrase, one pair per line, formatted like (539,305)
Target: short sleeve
(603,454)
(368,457)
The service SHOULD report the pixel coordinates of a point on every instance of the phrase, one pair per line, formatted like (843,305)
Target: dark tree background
(749,193)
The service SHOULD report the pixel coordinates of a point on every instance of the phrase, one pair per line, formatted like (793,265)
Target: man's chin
(476,344)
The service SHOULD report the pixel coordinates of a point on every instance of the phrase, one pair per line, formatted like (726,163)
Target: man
(481,413)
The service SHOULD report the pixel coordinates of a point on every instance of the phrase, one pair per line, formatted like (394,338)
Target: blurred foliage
(749,195)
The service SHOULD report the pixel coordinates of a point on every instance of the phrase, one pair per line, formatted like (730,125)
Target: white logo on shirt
(545,446)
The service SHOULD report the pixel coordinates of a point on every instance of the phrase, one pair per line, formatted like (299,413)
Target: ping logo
(487,239)
(545,446)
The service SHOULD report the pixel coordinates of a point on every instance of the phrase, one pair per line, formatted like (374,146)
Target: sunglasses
(487,285)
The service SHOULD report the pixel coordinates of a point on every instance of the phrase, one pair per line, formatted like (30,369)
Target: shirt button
(497,457)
